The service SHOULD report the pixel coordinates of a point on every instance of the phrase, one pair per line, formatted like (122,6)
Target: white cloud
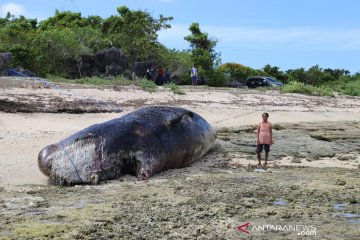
(14,9)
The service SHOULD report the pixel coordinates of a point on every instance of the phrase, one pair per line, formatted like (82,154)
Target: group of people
(162,76)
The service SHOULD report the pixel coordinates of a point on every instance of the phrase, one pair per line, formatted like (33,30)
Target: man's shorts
(260,147)
(194,79)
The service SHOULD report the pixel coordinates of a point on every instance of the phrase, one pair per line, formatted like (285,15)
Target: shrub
(119,80)
(351,88)
(238,72)
(216,78)
(298,87)
(146,85)
(175,88)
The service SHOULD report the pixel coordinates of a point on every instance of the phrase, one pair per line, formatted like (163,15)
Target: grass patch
(111,81)
(146,85)
(175,88)
(34,230)
(119,80)
(299,87)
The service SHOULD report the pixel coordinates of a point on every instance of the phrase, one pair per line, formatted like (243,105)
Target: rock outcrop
(5,63)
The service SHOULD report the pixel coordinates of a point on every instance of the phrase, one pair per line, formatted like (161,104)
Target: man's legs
(258,152)
(267,150)
(266,158)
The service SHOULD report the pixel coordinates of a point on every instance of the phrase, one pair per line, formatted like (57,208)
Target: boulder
(113,69)
(23,72)
(87,65)
(113,57)
(5,62)
(140,69)
(71,69)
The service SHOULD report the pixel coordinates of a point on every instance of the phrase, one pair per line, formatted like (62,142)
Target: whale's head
(70,163)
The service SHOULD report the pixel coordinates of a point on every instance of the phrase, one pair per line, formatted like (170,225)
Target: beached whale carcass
(143,142)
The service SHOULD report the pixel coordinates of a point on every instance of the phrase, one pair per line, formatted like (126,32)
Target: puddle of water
(356,221)
(78,205)
(340,206)
(35,213)
(249,178)
(348,215)
(259,170)
(217,171)
(280,202)
(291,178)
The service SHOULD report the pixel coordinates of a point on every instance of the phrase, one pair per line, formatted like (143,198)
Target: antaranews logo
(301,230)
(244,228)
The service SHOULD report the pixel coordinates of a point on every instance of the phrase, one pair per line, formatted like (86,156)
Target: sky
(283,33)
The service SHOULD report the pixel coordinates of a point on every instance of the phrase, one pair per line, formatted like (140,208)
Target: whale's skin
(142,143)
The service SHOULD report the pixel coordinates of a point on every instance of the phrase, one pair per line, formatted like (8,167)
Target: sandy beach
(314,167)
(23,135)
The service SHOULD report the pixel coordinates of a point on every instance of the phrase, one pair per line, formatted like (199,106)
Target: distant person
(194,75)
(149,73)
(167,76)
(161,75)
(264,138)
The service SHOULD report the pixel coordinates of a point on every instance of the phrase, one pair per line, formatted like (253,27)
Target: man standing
(264,138)
(194,75)
(161,74)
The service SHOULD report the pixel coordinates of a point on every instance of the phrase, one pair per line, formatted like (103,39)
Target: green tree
(4,21)
(53,47)
(202,47)
(297,75)
(17,31)
(238,72)
(92,39)
(203,54)
(175,61)
(314,75)
(275,72)
(16,35)
(65,19)
(135,32)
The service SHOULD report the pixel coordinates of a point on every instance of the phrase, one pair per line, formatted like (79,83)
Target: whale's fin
(178,118)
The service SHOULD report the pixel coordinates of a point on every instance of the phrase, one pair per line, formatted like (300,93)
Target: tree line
(44,47)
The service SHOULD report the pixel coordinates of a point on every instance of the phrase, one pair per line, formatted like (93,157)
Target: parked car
(254,82)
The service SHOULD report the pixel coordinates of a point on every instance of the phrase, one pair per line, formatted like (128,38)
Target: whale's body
(144,142)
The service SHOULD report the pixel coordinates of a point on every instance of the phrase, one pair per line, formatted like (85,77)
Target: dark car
(254,82)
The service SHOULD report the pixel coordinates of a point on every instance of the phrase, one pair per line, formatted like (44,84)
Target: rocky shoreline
(179,205)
